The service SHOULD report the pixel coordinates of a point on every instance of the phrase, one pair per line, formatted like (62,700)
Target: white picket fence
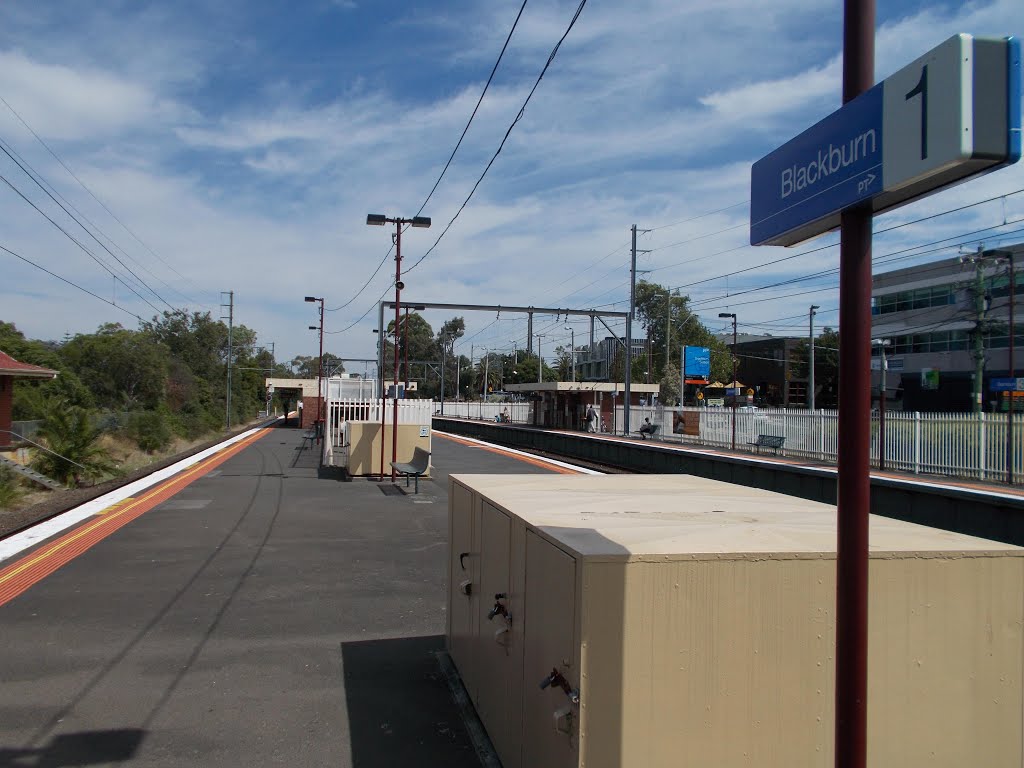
(519,413)
(345,410)
(971,445)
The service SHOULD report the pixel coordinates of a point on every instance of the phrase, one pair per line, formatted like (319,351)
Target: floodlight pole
(854,485)
(415,221)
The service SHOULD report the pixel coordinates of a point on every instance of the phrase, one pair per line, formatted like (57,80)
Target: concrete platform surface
(262,615)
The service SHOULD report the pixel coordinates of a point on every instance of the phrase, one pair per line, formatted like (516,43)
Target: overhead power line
(73,239)
(103,205)
(519,116)
(450,158)
(38,183)
(69,282)
(478,102)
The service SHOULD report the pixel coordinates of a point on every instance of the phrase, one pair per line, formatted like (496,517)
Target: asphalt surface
(263,615)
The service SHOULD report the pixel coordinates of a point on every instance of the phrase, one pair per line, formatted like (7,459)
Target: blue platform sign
(696,362)
(951,114)
(1006,384)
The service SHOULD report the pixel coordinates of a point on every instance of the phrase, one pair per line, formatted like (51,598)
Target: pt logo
(865,184)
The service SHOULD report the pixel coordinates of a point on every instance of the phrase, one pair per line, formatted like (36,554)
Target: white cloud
(77,104)
(251,167)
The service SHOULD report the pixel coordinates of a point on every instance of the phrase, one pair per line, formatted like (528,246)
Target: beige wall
(364,446)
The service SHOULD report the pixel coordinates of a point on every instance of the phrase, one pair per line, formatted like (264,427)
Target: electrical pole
(1012,375)
(629,330)
(487,361)
(444,350)
(810,370)
(540,360)
(629,334)
(978,334)
(231,321)
(668,330)
(572,346)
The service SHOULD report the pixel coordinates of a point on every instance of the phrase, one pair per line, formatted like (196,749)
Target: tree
(826,367)
(656,304)
(122,368)
(563,363)
(444,343)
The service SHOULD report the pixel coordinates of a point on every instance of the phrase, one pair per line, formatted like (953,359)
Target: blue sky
(240,146)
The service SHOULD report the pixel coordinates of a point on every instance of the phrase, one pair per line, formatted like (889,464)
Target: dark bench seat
(418,466)
(648,430)
(769,441)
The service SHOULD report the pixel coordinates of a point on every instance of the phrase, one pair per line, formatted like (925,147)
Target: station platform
(246,611)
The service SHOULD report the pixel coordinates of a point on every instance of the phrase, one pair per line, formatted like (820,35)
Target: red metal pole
(318,426)
(398,298)
(1013,392)
(854,492)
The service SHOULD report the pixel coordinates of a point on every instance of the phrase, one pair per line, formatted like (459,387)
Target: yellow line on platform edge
(112,507)
(86,529)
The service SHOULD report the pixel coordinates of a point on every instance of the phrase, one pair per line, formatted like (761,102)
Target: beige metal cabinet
(463,589)
(687,622)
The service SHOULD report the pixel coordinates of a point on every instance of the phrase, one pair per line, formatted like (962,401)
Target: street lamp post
(734,385)
(881,344)
(379,220)
(320,369)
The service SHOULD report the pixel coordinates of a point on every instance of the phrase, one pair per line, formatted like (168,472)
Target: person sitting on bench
(647,428)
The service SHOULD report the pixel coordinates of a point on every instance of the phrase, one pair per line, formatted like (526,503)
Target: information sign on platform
(953,113)
(1006,384)
(696,362)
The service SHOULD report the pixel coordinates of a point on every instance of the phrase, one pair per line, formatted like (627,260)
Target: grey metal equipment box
(678,621)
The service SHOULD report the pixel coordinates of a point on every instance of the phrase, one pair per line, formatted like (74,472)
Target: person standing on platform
(591,419)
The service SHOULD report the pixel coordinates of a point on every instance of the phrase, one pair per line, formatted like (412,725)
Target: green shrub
(150,429)
(71,436)
(10,488)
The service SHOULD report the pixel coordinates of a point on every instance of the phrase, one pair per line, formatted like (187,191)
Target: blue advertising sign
(1006,384)
(951,114)
(696,362)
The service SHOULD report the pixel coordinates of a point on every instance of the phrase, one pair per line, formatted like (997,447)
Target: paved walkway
(251,613)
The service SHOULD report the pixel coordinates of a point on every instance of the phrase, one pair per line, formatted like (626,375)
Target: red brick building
(11,369)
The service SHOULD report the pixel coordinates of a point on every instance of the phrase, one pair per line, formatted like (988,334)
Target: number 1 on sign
(921,89)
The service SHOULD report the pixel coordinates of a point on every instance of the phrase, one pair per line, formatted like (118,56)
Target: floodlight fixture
(375,219)
(421,221)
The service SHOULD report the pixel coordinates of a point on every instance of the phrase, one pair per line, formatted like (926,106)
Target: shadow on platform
(400,708)
(72,749)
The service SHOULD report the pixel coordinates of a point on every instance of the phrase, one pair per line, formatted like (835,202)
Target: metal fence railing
(970,445)
(519,413)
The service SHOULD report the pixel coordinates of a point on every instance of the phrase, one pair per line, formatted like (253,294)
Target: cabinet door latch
(557,679)
(499,608)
